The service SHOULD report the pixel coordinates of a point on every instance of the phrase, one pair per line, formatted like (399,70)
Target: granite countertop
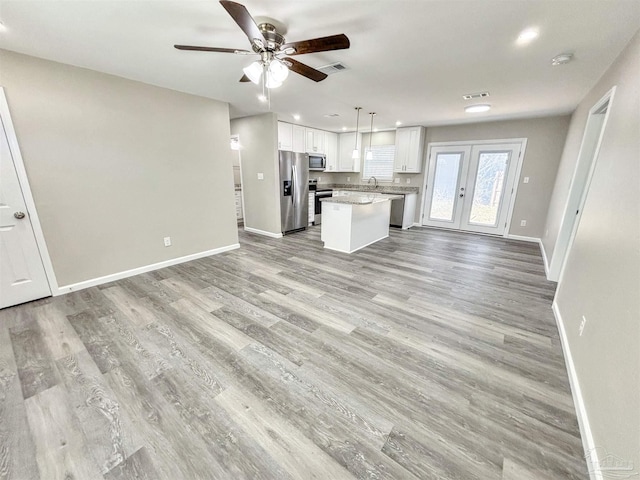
(361,199)
(390,189)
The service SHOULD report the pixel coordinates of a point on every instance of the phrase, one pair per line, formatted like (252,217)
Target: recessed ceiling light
(398,123)
(296,116)
(527,36)
(561,59)
(262,98)
(481,107)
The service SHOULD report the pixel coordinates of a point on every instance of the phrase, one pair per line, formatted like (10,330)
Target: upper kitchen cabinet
(315,140)
(346,144)
(409,150)
(299,139)
(291,137)
(285,136)
(331,151)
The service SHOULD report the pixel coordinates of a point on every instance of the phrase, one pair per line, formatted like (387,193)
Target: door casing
(470,143)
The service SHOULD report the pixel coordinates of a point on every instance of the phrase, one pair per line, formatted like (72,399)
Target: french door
(469,187)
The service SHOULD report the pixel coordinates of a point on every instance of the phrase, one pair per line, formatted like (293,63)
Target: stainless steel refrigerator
(294,191)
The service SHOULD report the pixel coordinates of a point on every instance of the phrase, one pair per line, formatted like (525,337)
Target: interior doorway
(25,269)
(237,179)
(470,186)
(585,166)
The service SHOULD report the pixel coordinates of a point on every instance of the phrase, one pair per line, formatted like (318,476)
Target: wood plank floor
(430,355)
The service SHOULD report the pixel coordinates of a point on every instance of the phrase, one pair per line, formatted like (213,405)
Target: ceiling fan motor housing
(273,38)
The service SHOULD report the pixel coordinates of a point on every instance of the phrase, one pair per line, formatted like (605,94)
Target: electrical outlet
(261,176)
(167,241)
(408,180)
(526,180)
(396,180)
(523,223)
(348,179)
(582,324)
(319,179)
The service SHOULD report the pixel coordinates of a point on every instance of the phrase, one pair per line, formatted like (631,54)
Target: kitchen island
(354,221)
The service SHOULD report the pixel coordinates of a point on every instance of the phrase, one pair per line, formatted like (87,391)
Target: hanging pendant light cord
(371,131)
(357,123)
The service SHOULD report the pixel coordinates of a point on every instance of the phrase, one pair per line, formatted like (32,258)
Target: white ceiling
(410,60)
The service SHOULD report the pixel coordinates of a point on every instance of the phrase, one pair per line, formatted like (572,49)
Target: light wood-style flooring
(429,355)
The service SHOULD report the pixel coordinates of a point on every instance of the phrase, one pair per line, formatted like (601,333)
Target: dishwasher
(397,212)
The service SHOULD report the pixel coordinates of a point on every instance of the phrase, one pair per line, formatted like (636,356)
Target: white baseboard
(416,224)
(591,454)
(136,271)
(522,238)
(545,260)
(263,232)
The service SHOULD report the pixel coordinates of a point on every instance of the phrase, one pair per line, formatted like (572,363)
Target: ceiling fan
(275,61)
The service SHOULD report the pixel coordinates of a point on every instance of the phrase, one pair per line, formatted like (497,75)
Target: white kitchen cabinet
(315,140)
(312,207)
(299,139)
(239,214)
(285,136)
(346,144)
(331,151)
(409,150)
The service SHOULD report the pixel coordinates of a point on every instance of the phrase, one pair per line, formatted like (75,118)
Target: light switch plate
(523,223)
(397,180)
(261,176)
(408,180)
(167,241)
(526,180)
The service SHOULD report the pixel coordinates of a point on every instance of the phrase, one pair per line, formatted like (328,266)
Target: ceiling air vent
(333,68)
(470,96)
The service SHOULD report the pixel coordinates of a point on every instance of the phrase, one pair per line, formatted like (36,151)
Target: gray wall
(546,138)
(116,165)
(545,141)
(602,276)
(259,154)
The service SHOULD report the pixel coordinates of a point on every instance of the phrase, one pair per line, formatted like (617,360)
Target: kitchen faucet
(375,182)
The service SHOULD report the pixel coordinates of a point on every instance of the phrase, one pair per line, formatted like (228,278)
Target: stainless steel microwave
(317,162)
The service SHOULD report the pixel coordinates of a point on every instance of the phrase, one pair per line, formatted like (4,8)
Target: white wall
(116,165)
(602,277)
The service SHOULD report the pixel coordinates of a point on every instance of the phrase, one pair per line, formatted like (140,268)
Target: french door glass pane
(487,191)
(445,186)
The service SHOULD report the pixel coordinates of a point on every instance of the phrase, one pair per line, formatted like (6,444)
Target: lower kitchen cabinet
(239,215)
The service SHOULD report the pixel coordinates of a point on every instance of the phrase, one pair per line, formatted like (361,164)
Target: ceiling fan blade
(244,20)
(244,79)
(213,49)
(323,44)
(304,70)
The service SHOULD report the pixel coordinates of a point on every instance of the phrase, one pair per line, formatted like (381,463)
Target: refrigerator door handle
(293,183)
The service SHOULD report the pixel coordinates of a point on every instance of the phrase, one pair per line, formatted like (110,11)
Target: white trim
(563,243)
(416,224)
(23,180)
(263,232)
(522,238)
(355,250)
(147,268)
(516,184)
(545,259)
(591,454)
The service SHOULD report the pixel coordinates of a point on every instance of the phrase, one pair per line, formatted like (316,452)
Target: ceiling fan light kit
(274,64)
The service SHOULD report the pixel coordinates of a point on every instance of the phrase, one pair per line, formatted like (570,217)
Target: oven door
(318,213)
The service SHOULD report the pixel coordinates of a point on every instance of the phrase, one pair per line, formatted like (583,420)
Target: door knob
(461,195)
(19,215)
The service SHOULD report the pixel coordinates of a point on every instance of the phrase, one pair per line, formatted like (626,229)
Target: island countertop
(361,198)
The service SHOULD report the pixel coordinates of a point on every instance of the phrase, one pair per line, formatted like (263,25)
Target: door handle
(19,215)
(293,183)
(461,195)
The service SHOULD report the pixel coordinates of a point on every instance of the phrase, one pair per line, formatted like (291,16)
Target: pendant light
(356,154)
(369,155)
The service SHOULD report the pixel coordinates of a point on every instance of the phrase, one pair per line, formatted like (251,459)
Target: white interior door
(22,273)
(446,183)
(469,187)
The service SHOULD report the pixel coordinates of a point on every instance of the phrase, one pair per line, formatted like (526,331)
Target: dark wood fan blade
(245,79)
(304,70)
(323,44)
(244,20)
(212,49)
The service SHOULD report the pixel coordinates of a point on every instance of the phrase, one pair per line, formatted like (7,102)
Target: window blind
(381,165)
